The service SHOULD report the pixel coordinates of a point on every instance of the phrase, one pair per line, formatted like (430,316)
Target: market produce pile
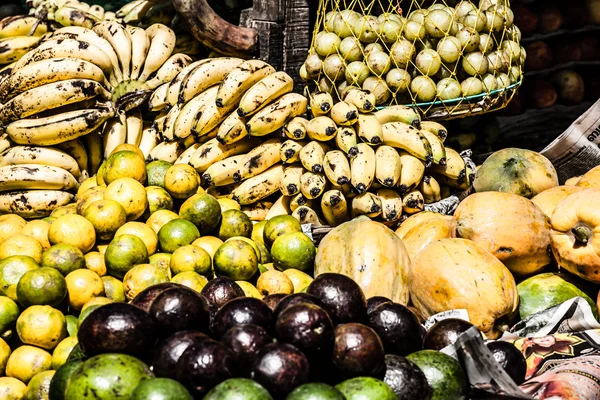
(438,53)
(158,211)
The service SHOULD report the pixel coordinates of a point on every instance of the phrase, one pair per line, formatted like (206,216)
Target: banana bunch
(69,12)
(18,35)
(147,12)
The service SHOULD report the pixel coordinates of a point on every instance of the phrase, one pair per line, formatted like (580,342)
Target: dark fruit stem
(582,234)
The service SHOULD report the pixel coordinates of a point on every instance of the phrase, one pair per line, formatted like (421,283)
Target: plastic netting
(447,58)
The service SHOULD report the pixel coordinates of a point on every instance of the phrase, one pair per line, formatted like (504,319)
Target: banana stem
(213,31)
(582,234)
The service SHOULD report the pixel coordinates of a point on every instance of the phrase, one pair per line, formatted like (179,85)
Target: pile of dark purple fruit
(329,343)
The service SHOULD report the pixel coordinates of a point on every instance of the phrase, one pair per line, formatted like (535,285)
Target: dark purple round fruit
(373,302)
(220,290)
(169,350)
(398,328)
(357,351)
(179,309)
(245,341)
(145,298)
(273,299)
(343,299)
(204,365)
(510,358)
(242,311)
(117,328)
(444,333)
(296,298)
(308,327)
(405,378)
(280,367)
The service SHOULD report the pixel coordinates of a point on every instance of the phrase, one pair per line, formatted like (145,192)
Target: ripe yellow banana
(321,128)
(367,204)
(362,167)
(264,92)
(78,151)
(189,112)
(232,129)
(33,203)
(222,172)
(205,75)
(334,208)
(259,159)
(296,128)
(362,100)
(344,114)
(455,167)
(97,11)
(413,202)
(35,176)
(52,95)
(115,134)
(388,166)
(257,211)
(69,16)
(438,151)
(320,103)
(312,185)
(213,151)
(290,151)
(312,156)
(41,156)
(5,142)
(240,79)
(280,207)
(120,40)
(158,99)
(307,216)
(290,180)
(162,42)
(337,167)
(346,140)
(140,43)
(369,129)
(13,48)
(210,117)
(135,124)
(299,200)
(276,114)
(185,157)
(6,71)
(59,128)
(168,130)
(95,151)
(436,128)
(411,173)
(166,151)
(391,204)
(48,71)
(398,113)
(22,25)
(259,187)
(177,81)
(169,70)
(430,189)
(149,140)
(406,137)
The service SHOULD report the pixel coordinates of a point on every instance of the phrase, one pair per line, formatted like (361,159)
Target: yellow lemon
(96,301)
(125,164)
(38,229)
(62,351)
(107,216)
(42,326)
(83,285)
(157,219)
(12,388)
(131,194)
(4,354)
(11,271)
(85,185)
(113,288)
(127,147)
(21,245)
(208,243)
(182,181)
(94,261)
(74,230)
(142,231)
(39,386)
(190,279)
(64,210)
(88,197)
(249,289)
(143,276)
(26,362)
(191,258)
(10,225)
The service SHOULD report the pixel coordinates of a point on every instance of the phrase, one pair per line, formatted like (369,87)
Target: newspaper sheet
(577,150)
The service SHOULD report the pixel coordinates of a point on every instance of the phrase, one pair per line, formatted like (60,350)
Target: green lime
(9,312)
(236,260)
(234,223)
(203,210)
(249,241)
(156,171)
(191,258)
(293,250)
(143,276)
(444,374)
(265,256)
(64,257)
(123,252)
(176,233)
(315,391)
(160,259)
(113,289)
(160,389)
(238,389)
(84,314)
(11,270)
(76,353)
(190,279)
(278,226)
(39,386)
(41,286)
(365,387)
(72,327)
(60,378)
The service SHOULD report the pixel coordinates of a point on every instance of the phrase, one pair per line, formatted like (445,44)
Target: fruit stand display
(178,221)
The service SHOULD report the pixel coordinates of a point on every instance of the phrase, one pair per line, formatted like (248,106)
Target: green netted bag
(446,58)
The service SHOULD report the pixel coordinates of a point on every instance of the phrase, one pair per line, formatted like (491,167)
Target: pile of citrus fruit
(134,225)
